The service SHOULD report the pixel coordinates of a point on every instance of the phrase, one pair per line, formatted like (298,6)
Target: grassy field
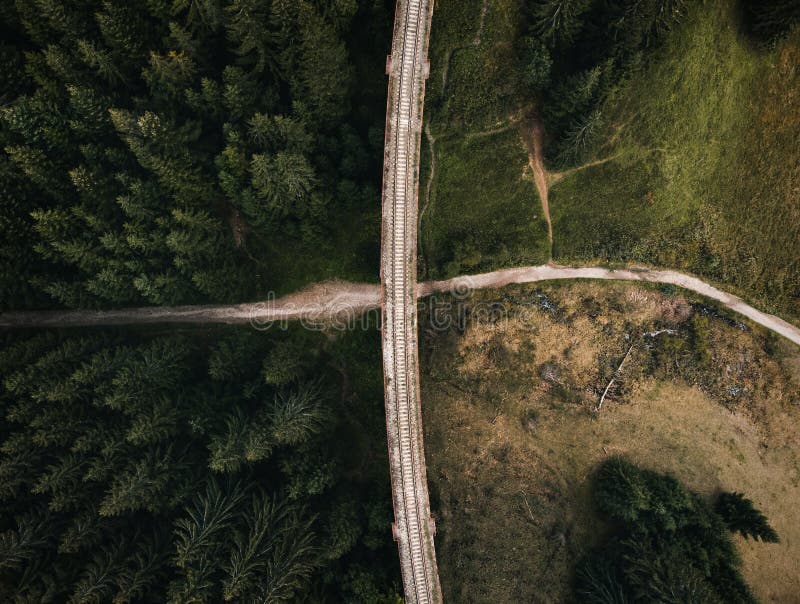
(511,434)
(701,145)
(483,210)
(472,86)
(705,173)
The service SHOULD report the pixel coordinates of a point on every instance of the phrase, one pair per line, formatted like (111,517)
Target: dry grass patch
(511,437)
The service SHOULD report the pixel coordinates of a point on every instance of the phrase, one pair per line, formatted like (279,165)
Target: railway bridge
(413,528)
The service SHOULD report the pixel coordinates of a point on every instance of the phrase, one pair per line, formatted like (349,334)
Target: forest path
(333,301)
(532,133)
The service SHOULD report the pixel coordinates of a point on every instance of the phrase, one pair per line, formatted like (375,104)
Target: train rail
(413,528)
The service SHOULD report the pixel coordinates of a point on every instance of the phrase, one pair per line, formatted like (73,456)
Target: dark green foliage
(669,545)
(559,20)
(165,151)
(535,63)
(159,468)
(579,139)
(599,583)
(744,518)
(771,19)
(586,48)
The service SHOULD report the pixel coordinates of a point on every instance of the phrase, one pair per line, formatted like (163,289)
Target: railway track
(413,528)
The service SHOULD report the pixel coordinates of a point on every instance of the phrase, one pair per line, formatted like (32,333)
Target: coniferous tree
(132,134)
(559,20)
(671,545)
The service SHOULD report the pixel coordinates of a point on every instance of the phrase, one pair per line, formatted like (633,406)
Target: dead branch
(614,376)
(530,513)
(650,334)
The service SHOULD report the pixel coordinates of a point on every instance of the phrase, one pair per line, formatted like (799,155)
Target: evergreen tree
(535,63)
(559,20)
(138,140)
(671,546)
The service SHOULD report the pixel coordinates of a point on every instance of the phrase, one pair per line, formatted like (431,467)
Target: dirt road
(342,298)
(531,274)
(327,300)
(532,136)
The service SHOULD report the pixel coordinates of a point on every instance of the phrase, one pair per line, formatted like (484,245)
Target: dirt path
(531,274)
(340,299)
(324,302)
(532,136)
(511,123)
(554,177)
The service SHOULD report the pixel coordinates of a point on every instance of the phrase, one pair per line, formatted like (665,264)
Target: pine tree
(289,562)
(284,183)
(579,139)
(285,363)
(150,370)
(125,31)
(143,570)
(169,76)
(559,21)
(248,28)
(100,576)
(205,518)
(103,62)
(85,532)
(228,448)
(61,482)
(297,416)
(145,484)
(24,542)
(40,169)
(156,423)
(201,14)
(322,75)
(162,147)
(233,356)
(274,558)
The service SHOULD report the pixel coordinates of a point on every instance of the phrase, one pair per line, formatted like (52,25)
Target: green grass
(705,176)
(615,207)
(484,211)
(481,89)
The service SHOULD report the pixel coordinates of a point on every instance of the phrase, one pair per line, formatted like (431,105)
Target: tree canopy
(668,544)
(170,468)
(153,151)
